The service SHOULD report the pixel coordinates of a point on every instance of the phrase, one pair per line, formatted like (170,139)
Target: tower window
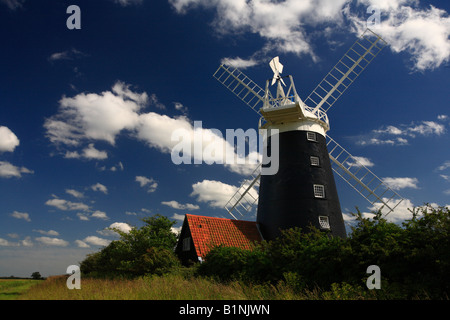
(311,136)
(319,191)
(315,161)
(187,244)
(324,222)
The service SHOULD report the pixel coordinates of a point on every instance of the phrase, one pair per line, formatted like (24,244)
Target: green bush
(144,250)
(414,258)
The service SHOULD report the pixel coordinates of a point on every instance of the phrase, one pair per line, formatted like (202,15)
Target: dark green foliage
(141,251)
(414,258)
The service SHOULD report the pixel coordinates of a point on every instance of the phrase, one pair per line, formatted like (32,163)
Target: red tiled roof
(208,232)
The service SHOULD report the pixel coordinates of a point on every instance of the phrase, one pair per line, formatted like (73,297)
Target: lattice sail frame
(348,68)
(326,93)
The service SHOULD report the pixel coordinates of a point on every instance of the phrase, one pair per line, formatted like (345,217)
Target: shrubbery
(414,258)
(145,250)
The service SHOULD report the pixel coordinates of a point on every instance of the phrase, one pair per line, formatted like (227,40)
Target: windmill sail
(241,85)
(364,181)
(246,196)
(354,61)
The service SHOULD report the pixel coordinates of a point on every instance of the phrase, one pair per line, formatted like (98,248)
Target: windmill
(303,191)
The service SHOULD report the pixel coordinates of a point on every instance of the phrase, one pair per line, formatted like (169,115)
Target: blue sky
(86,115)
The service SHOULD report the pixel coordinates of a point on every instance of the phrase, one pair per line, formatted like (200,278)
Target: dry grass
(170,287)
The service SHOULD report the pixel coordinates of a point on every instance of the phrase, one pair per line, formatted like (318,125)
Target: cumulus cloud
(401,212)
(52,241)
(239,62)
(47,233)
(360,161)
(7,170)
(21,215)
(99,215)
(125,3)
(102,117)
(285,25)
(421,32)
(99,187)
(75,193)
(122,226)
(8,140)
(66,205)
(149,183)
(215,193)
(401,134)
(95,116)
(401,183)
(90,152)
(176,205)
(93,240)
(66,55)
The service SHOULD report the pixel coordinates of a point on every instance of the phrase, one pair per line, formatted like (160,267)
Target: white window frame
(315,161)
(324,222)
(319,191)
(311,136)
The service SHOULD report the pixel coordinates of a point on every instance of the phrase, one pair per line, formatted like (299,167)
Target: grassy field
(11,289)
(171,287)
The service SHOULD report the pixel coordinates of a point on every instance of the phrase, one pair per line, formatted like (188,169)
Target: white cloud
(444,166)
(66,205)
(399,135)
(7,170)
(99,187)
(125,3)
(90,152)
(48,233)
(26,242)
(215,193)
(239,62)
(75,193)
(401,183)
(360,161)
(82,216)
(179,217)
(21,215)
(94,240)
(122,226)
(88,117)
(421,32)
(176,205)
(95,116)
(401,212)
(99,215)
(150,183)
(8,140)
(52,241)
(66,55)
(280,24)
(81,244)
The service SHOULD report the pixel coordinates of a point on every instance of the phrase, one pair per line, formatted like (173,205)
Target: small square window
(187,244)
(311,136)
(324,222)
(315,161)
(319,191)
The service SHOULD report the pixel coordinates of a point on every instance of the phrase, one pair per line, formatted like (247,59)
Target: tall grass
(168,287)
(11,289)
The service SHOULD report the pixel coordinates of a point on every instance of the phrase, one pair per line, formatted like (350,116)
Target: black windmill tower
(302,192)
